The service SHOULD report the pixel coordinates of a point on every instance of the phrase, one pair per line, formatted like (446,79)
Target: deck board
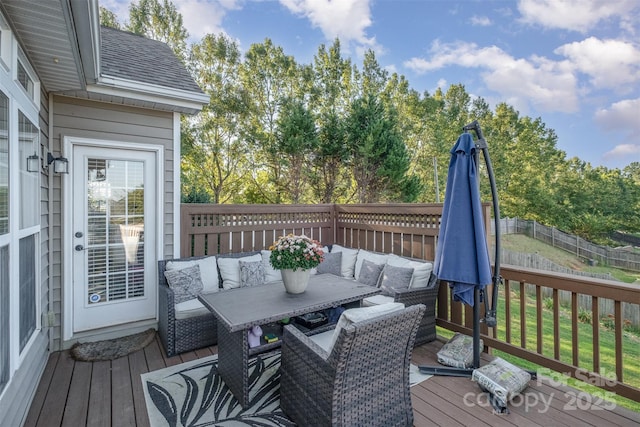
(102,394)
(56,400)
(99,413)
(75,411)
(122,393)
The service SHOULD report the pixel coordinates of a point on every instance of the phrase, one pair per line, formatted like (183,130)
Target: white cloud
(575,15)
(391,69)
(609,63)
(481,21)
(202,17)
(622,151)
(621,116)
(345,19)
(119,7)
(536,81)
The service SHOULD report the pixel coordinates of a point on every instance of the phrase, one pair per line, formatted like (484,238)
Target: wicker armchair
(364,381)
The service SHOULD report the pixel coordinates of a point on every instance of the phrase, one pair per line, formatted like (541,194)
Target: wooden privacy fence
(403,229)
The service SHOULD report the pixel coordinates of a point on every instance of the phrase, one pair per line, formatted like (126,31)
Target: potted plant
(295,256)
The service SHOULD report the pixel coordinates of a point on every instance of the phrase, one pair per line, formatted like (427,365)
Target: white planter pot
(295,281)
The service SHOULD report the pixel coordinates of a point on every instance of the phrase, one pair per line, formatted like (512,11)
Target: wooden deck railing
(530,324)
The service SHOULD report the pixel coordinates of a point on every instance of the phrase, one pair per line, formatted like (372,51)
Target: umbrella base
(446,372)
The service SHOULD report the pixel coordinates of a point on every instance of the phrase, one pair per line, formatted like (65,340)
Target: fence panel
(625,258)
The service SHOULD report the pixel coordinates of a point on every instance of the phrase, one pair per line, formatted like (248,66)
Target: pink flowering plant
(295,252)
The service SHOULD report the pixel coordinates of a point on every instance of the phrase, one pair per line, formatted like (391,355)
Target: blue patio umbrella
(462,255)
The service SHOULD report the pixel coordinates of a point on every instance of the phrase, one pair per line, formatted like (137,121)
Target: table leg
(233,361)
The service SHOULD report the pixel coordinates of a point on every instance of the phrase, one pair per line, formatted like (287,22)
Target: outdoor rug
(191,394)
(112,349)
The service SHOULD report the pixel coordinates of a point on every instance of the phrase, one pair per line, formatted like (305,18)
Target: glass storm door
(114,226)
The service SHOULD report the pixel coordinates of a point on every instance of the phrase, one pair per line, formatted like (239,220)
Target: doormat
(112,349)
(193,394)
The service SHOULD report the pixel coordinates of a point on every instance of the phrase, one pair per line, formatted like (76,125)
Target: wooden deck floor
(110,394)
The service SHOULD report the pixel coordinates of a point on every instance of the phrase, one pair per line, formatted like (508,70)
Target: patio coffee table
(240,309)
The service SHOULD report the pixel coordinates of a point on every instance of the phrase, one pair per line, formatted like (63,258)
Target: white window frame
(19,100)
(5,44)
(21,58)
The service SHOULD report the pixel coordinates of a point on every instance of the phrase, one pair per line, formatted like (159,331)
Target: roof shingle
(130,56)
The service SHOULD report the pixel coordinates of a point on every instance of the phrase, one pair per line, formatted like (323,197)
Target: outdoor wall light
(60,164)
(33,163)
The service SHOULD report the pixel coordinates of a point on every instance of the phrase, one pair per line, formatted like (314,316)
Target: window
(28,145)
(27,289)
(19,206)
(25,80)
(25,77)
(4,317)
(4,164)
(5,44)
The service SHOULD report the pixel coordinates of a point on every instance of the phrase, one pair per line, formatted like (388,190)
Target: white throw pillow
(354,315)
(230,269)
(421,270)
(270,273)
(379,259)
(349,257)
(208,271)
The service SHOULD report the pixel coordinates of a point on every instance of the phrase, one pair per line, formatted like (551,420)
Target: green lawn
(631,345)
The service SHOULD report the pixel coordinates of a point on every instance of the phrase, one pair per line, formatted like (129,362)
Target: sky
(575,64)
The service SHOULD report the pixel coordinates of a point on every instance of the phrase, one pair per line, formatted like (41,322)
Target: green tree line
(278,131)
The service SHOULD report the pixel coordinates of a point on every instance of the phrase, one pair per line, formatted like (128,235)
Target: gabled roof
(132,57)
(74,56)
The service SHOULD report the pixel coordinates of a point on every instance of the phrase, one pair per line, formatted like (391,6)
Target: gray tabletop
(242,308)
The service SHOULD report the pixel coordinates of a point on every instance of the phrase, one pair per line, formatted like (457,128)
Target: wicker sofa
(190,332)
(180,332)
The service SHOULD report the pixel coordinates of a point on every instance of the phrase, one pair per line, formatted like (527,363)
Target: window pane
(24,79)
(4,164)
(29,191)
(4,317)
(27,289)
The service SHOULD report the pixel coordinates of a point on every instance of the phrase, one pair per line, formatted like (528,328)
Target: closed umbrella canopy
(462,255)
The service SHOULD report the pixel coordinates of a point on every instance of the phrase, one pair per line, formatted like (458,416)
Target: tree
(330,101)
(378,156)
(296,139)
(109,19)
(267,76)
(159,20)
(216,156)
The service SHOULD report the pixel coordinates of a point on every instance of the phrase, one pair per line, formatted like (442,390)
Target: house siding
(84,118)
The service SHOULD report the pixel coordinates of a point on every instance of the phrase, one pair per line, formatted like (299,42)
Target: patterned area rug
(191,394)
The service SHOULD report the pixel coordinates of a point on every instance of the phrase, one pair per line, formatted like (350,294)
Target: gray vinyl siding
(73,117)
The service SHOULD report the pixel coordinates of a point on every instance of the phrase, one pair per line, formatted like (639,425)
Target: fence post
(534,228)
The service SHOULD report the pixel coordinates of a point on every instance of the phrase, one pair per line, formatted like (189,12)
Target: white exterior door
(113,236)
